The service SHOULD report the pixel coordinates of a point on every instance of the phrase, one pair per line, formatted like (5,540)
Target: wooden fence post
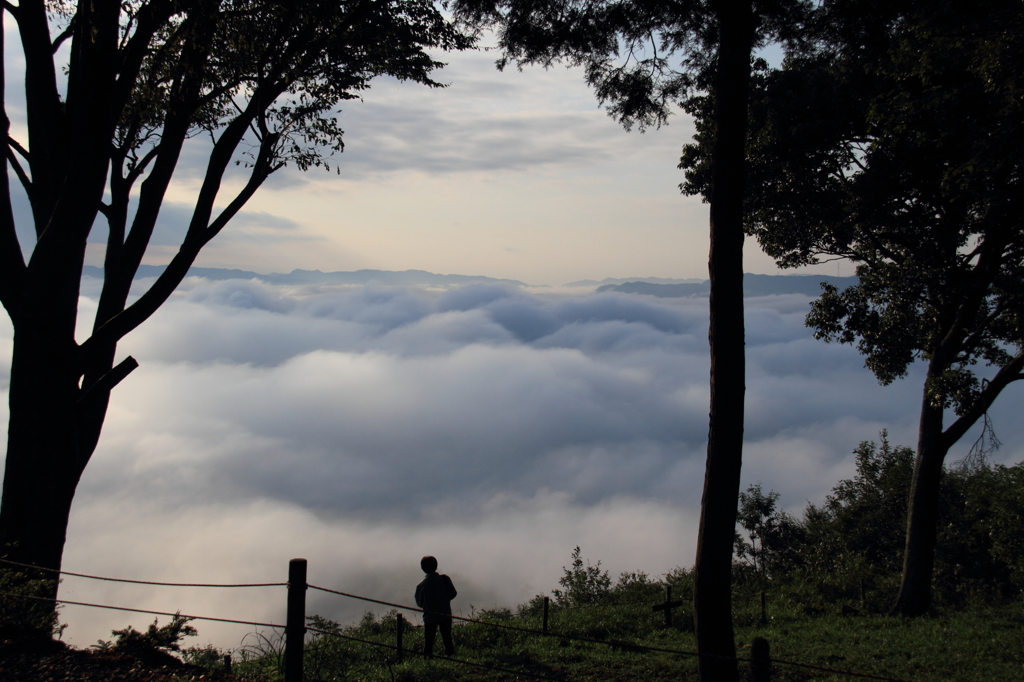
(760,660)
(227,663)
(400,625)
(295,624)
(545,628)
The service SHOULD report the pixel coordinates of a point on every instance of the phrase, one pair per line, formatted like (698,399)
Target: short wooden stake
(544,629)
(760,660)
(295,623)
(399,625)
(227,663)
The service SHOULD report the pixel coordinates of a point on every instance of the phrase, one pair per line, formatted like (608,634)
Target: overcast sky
(495,427)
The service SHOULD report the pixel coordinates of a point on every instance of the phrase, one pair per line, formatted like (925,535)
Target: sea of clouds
(496,427)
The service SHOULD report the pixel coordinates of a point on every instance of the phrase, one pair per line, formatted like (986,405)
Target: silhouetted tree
(260,80)
(640,57)
(895,141)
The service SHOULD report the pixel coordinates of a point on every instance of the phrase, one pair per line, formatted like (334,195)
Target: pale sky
(510,174)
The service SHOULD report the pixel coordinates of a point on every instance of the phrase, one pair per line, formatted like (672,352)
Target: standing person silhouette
(434,595)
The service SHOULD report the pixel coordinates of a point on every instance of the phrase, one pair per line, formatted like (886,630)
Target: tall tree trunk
(923,512)
(54,424)
(43,462)
(713,567)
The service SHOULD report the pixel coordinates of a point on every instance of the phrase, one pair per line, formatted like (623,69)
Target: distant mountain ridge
(385,277)
(609,281)
(753,285)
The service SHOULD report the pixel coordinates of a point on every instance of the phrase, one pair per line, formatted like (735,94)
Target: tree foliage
(166,637)
(22,611)
(641,58)
(849,549)
(894,141)
(857,536)
(981,538)
(770,537)
(583,583)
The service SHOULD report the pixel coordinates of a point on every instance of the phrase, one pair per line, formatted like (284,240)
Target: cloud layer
(495,427)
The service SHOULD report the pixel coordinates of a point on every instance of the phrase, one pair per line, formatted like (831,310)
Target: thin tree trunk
(923,513)
(713,567)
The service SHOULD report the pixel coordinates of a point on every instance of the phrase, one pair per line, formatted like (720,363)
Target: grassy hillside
(618,637)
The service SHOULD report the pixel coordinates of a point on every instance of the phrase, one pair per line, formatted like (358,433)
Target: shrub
(164,638)
(24,613)
(584,584)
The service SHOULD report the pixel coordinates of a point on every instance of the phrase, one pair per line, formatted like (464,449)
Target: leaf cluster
(860,528)
(641,58)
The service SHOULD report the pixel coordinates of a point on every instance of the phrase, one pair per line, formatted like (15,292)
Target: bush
(209,657)
(584,584)
(24,613)
(850,549)
(165,638)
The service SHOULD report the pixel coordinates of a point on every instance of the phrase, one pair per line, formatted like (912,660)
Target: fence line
(612,643)
(304,585)
(540,633)
(139,582)
(152,613)
(280,627)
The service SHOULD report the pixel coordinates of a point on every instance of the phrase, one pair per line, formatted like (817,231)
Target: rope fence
(146,611)
(139,582)
(610,643)
(295,626)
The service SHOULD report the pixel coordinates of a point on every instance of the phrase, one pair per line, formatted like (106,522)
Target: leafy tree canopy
(895,141)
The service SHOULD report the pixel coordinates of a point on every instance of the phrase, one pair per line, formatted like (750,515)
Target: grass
(981,644)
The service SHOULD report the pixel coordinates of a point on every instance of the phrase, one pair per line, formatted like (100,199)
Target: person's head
(428,564)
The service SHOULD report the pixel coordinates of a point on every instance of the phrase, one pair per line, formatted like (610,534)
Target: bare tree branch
(1010,372)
